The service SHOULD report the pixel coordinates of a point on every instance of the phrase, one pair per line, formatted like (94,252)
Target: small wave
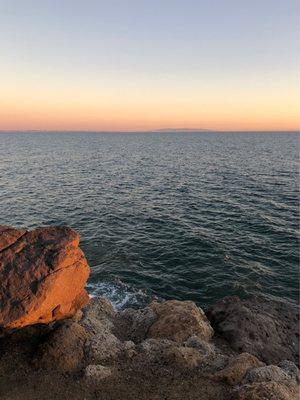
(119,293)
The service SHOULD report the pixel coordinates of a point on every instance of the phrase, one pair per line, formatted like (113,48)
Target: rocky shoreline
(55,344)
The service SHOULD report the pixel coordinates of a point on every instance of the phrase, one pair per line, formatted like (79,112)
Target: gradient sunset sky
(149,64)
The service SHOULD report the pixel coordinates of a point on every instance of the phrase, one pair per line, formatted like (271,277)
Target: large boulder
(42,275)
(178,320)
(268,329)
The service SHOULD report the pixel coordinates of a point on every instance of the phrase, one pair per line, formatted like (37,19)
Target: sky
(141,65)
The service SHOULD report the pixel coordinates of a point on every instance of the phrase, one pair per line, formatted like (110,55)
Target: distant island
(180,130)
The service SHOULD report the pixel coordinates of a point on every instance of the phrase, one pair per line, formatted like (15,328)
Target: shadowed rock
(9,236)
(268,329)
(42,275)
(63,349)
(267,391)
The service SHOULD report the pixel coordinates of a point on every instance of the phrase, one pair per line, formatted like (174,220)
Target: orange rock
(9,236)
(42,275)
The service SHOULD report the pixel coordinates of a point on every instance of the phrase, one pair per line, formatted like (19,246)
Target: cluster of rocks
(174,335)
(248,348)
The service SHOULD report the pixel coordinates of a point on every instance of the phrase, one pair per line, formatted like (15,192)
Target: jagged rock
(182,357)
(135,324)
(166,352)
(129,348)
(267,391)
(103,347)
(291,369)
(237,368)
(98,316)
(42,275)
(153,349)
(260,326)
(218,362)
(63,348)
(95,373)
(9,236)
(267,373)
(78,316)
(178,320)
(202,346)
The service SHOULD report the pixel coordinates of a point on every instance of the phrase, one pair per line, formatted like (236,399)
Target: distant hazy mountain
(180,130)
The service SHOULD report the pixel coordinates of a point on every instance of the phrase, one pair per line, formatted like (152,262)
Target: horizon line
(166,130)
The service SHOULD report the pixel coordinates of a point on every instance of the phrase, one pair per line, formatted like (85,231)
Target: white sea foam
(119,293)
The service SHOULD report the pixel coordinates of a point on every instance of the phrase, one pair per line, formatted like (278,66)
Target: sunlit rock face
(42,274)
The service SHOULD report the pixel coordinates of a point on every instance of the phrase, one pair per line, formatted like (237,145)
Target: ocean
(189,216)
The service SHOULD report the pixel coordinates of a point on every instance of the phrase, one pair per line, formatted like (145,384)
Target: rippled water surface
(186,216)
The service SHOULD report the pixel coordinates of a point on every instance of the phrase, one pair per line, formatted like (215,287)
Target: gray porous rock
(102,347)
(95,373)
(205,348)
(266,328)
(171,354)
(291,369)
(98,316)
(268,373)
(266,391)
(134,324)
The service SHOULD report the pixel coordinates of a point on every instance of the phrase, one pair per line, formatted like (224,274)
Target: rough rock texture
(291,369)
(178,320)
(9,236)
(99,316)
(154,349)
(237,368)
(89,356)
(267,391)
(268,329)
(95,373)
(267,373)
(202,346)
(42,275)
(102,347)
(63,349)
(135,324)
(182,357)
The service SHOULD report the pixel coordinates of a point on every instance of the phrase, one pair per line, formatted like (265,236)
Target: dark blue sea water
(185,216)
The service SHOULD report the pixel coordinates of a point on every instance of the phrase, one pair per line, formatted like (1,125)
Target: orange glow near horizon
(157,111)
(121,103)
(122,106)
